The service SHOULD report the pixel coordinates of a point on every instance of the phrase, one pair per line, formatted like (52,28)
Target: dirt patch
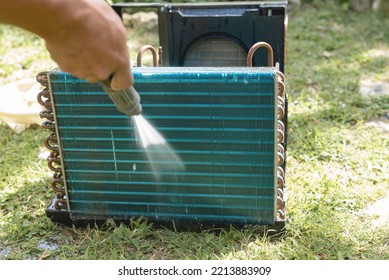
(382,123)
(368,88)
(380,209)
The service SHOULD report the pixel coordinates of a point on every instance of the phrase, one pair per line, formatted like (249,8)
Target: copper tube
(256,46)
(141,52)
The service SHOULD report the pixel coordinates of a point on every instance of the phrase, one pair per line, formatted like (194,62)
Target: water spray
(160,154)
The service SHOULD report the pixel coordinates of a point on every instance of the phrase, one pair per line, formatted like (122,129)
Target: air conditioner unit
(226,124)
(219,33)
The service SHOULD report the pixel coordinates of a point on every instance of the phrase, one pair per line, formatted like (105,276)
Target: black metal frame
(63,217)
(258,21)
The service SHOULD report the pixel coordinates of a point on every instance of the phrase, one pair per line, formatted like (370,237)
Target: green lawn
(337,164)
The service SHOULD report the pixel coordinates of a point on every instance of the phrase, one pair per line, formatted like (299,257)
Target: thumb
(122,79)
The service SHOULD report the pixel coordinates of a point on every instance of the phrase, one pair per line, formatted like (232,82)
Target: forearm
(42,17)
(85,37)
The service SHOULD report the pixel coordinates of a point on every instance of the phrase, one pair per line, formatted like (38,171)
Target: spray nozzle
(127,100)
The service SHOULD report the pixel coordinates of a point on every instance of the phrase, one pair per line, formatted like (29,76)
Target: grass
(337,164)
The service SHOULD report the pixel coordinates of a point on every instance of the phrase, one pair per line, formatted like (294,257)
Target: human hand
(90,43)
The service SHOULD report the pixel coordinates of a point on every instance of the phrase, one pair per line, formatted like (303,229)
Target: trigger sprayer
(127,100)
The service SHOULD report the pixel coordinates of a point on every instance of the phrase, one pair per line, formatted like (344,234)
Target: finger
(122,79)
(92,79)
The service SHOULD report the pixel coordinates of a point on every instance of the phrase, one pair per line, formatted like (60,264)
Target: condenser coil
(221,122)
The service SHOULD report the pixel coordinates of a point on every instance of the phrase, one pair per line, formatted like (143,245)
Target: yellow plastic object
(18,104)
